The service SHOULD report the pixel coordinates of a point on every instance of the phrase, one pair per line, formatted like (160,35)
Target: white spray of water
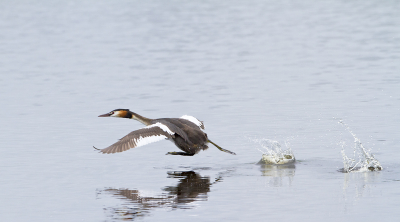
(362,160)
(273,153)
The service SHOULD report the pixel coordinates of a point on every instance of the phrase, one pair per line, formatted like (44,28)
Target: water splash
(362,160)
(273,153)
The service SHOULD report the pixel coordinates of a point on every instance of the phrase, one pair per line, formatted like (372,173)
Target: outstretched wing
(141,137)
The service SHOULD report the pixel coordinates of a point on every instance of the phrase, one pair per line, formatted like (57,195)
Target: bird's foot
(179,153)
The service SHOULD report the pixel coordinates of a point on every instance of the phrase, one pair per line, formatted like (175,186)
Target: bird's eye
(112,112)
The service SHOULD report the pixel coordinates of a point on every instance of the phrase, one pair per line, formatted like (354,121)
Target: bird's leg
(222,149)
(180,153)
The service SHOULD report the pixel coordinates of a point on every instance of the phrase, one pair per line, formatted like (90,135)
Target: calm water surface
(278,70)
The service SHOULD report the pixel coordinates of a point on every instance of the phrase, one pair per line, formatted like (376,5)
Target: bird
(186,132)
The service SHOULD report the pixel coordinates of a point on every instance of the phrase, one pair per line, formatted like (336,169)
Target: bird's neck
(142,119)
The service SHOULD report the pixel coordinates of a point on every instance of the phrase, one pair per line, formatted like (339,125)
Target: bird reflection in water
(278,173)
(190,188)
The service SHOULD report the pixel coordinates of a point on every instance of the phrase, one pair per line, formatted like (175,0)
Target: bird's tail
(222,149)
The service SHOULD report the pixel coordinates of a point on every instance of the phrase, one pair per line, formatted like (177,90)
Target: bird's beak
(105,115)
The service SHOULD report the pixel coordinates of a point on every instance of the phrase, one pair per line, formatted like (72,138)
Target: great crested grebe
(186,132)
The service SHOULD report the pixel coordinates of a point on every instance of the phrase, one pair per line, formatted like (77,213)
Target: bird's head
(121,113)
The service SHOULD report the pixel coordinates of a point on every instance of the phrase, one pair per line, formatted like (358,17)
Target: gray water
(285,71)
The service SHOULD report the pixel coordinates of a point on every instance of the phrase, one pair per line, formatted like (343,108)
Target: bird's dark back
(193,132)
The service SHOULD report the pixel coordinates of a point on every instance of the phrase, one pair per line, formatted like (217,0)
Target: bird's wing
(178,129)
(141,137)
(193,120)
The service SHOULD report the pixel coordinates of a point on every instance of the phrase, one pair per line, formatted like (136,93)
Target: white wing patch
(161,126)
(141,141)
(193,120)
